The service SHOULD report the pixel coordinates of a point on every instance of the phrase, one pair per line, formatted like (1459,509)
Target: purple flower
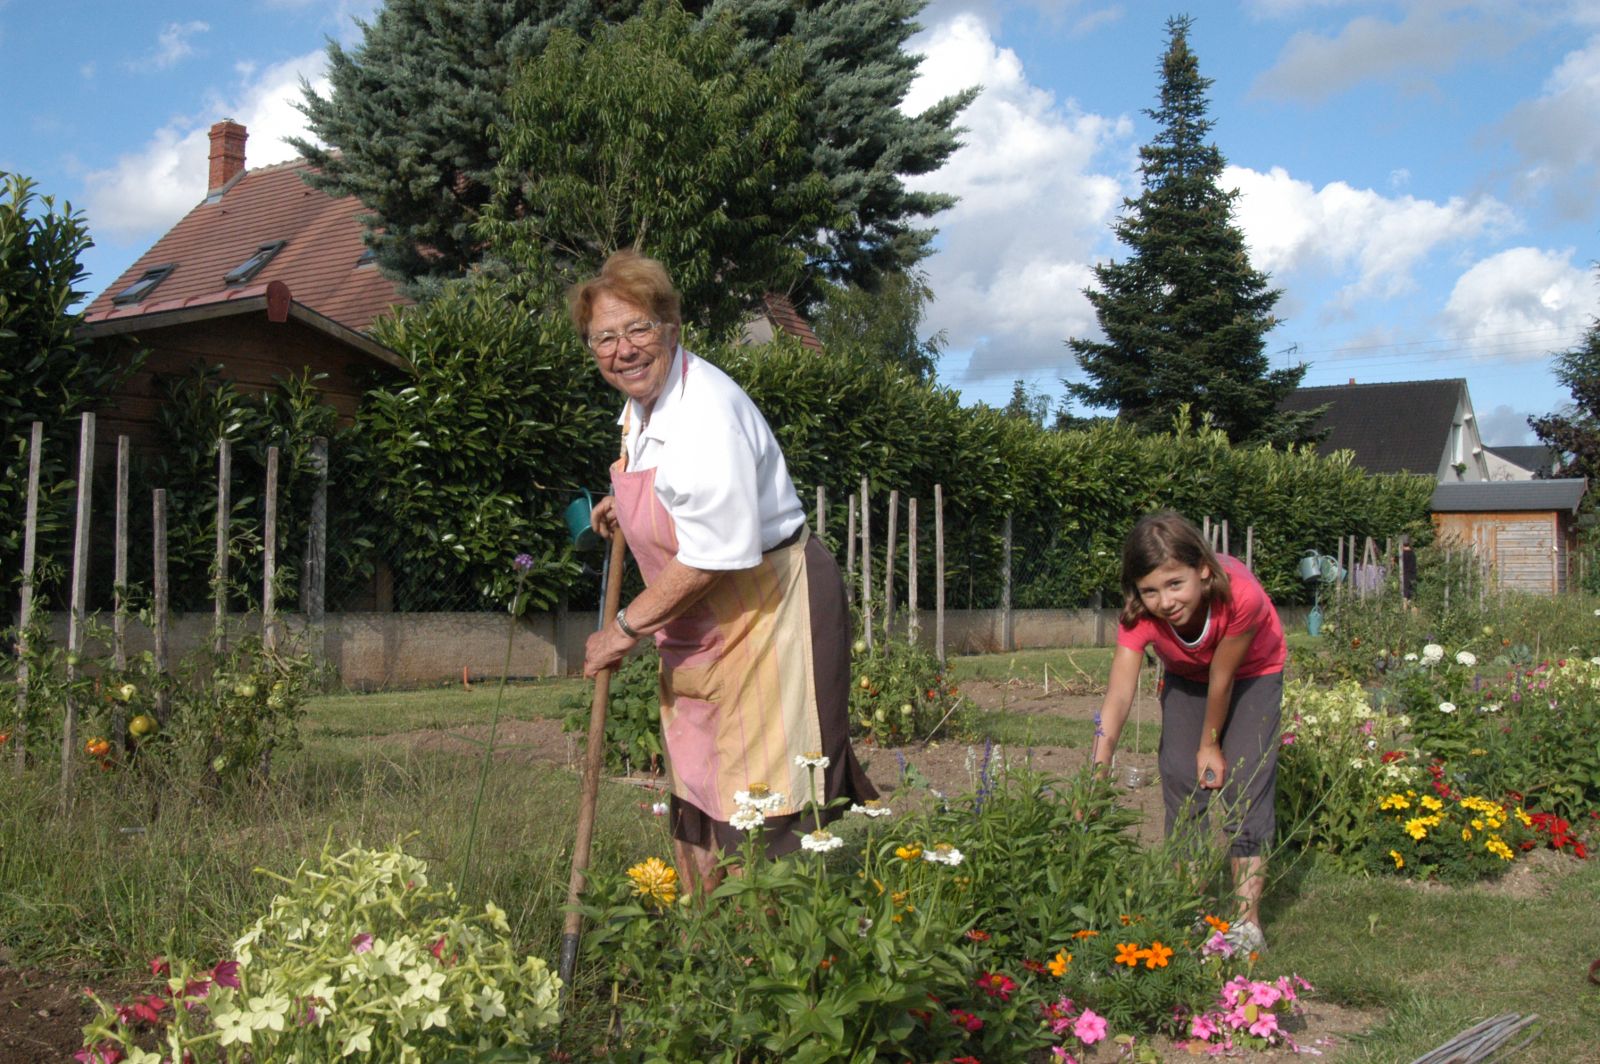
(226,973)
(361,943)
(523,562)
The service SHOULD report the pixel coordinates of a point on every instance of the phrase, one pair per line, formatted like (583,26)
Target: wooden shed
(1524,529)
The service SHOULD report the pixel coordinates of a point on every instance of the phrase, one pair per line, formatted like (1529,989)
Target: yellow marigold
(1433,821)
(1416,828)
(1399,862)
(656,880)
(1395,801)
(1524,818)
(908,853)
(1466,834)
(1477,825)
(1058,966)
(1498,848)
(1431,803)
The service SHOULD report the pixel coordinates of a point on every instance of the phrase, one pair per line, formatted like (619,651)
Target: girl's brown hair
(1158,538)
(632,278)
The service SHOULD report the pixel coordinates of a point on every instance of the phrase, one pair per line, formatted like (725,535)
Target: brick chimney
(227,153)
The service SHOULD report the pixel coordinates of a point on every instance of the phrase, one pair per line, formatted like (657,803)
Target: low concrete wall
(377,650)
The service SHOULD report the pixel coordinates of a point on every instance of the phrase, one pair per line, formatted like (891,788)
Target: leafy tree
(656,134)
(46,373)
(1027,403)
(1575,431)
(1185,316)
(409,124)
(882,323)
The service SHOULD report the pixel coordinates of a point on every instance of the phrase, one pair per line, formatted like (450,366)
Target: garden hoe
(594,763)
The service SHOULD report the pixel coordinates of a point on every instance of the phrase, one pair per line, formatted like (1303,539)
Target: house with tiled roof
(266,277)
(1425,427)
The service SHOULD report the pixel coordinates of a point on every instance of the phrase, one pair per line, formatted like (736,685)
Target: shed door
(1523,549)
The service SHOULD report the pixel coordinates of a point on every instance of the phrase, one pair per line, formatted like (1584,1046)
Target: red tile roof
(783,315)
(318,262)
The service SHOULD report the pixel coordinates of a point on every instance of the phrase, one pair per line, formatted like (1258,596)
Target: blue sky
(1419,176)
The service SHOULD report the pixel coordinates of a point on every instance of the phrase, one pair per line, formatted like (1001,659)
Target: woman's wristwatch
(627,629)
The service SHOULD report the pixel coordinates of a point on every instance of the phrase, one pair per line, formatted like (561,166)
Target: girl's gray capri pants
(1249,745)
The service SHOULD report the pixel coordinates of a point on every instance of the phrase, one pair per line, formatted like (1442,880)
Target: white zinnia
(747,818)
(1466,657)
(820,841)
(1432,652)
(1411,657)
(944,854)
(763,800)
(812,760)
(872,808)
(1447,707)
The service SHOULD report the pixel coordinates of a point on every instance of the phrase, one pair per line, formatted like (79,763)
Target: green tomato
(245,690)
(142,725)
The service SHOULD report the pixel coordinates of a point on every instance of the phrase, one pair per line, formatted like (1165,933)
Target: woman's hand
(1210,766)
(603,518)
(605,649)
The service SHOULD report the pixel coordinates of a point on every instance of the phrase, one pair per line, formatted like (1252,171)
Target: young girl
(1221,645)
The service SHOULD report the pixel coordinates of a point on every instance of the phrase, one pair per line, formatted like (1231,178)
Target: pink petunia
(1264,995)
(361,943)
(1217,946)
(1288,738)
(1090,1027)
(1266,1025)
(1202,1027)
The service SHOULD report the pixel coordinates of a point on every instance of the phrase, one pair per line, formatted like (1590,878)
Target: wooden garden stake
(80,595)
(159,591)
(219,564)
(30,528)
(912,624)
(119,584)
(850,550)
(888,562)
(269,556)
(316,563)
(822,513)
(866,561)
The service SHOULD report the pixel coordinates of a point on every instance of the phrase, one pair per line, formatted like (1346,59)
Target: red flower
(226,973)
(1034,966)
(978,936)
(1392,756)
(965,1060)
(149,1010)
(966,1020)
(159,967)
(997,985)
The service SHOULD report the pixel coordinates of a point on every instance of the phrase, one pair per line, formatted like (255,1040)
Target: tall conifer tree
(409,124)
(1185,316)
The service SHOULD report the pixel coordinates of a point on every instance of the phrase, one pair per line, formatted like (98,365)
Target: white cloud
(1341,230)
(1015,253)
(1504,426)
(148,190)
(1521,304)
(1427,40)
(172,44)
(1554,133)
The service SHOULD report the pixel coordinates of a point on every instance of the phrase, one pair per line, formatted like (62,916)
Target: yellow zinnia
(908,853)
(1399,862)
(1416,828)
(1395,801)
(656,880)
(1431,803)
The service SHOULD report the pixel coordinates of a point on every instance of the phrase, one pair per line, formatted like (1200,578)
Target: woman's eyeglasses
(637,333)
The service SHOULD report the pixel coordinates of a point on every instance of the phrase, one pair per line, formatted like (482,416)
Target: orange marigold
(1156,956)
(1129,953)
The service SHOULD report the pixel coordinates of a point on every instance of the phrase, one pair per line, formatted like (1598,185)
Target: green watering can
(579,527)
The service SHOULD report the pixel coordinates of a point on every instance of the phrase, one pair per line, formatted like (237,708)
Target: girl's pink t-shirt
(1248,608)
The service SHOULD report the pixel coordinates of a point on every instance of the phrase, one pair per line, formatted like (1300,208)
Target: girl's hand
(1210,766)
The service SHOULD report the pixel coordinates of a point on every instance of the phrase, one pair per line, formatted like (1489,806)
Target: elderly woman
(746,608)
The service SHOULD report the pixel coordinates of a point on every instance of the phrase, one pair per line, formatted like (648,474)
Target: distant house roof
(1509,496)
(1397,427)
(1534,458)
(322,257)
(778,315)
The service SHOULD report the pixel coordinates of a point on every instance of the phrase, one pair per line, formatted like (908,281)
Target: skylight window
(144,285)
(252,266)
(368,257)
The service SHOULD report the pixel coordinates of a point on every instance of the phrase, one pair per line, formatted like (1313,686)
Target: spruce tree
(409,124)
(1185,316)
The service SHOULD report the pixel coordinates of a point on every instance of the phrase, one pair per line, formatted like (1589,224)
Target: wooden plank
(219,561)
(159,592)
(888,562)
(316,559)
(269,559)
(866,560)
(1006,643)
(938,561)
(912,621)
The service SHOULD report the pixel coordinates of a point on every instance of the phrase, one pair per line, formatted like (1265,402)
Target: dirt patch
(41,1016)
